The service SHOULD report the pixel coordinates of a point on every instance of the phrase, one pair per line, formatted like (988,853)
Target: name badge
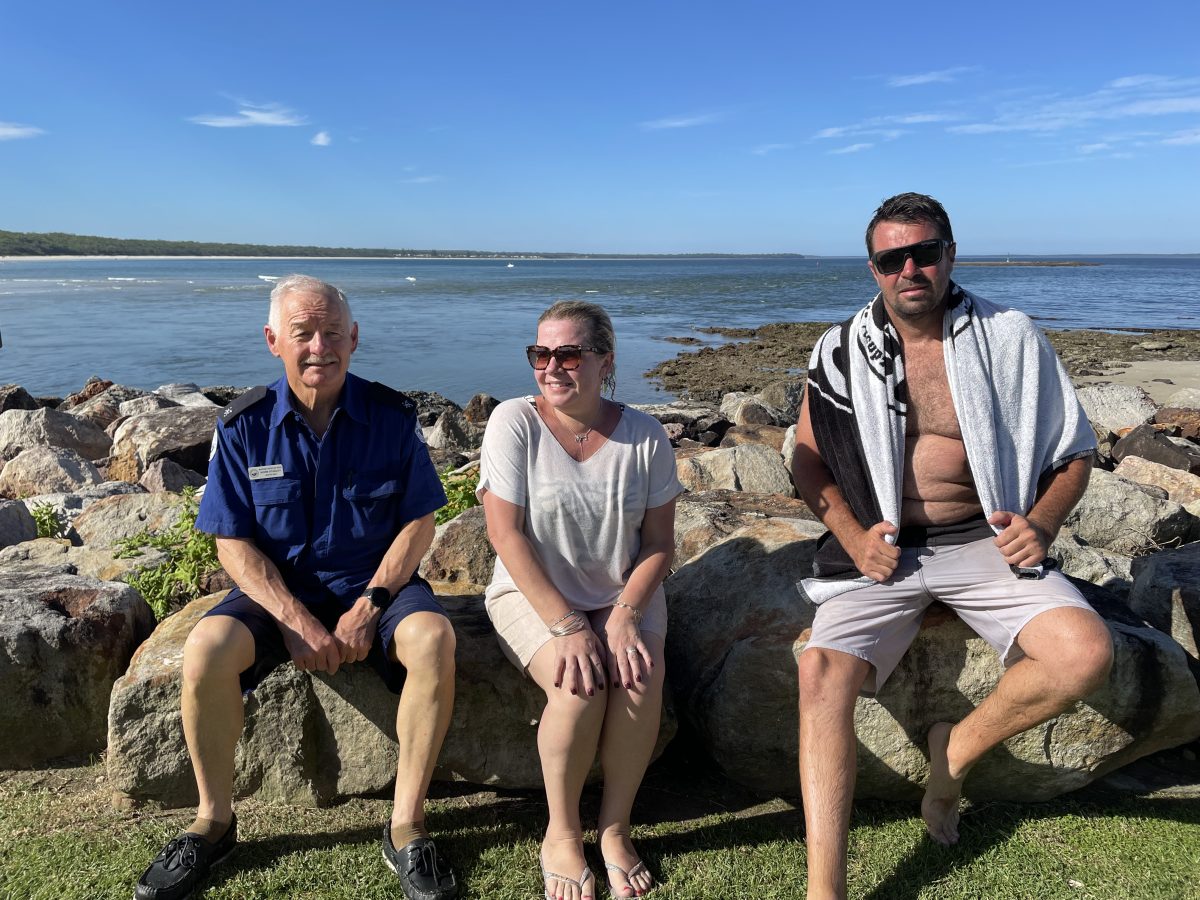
(258,473)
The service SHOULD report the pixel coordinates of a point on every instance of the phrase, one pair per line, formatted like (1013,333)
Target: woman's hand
(628,658)
(579,664)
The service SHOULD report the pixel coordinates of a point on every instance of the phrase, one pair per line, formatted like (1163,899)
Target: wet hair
(911,209)
(302,284)
(599,329)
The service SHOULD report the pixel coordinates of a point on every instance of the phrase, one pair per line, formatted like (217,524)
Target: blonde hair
(599,329)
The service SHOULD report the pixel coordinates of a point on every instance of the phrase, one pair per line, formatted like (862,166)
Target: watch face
(379,597)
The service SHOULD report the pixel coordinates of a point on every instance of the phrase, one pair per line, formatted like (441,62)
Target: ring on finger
(632,651)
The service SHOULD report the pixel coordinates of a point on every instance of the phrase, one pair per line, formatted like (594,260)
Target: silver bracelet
(637,613)
(568,624)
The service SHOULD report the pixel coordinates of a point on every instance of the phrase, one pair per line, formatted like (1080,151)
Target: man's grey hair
(303,284)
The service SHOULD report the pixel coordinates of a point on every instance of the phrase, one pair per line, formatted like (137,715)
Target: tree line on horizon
(25,243)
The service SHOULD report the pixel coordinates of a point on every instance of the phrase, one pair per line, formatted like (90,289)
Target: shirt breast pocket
(278,510)
(372,501)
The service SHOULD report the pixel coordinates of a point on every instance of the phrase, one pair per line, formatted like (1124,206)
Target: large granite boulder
(771,436)
(182,434)
(461,553)
(1117,407)
(46,470)
(69,505)
(107,522)
(452,431)
(742,408)
(16,523)
(479,409)
(707,517)
(1166,593)
(1182,487)
(737,624)
(1184,398)
(310,739)
(146,403)
(35,558)
(1117,515)
(64,640)
(748,467)
(1079,559)
(22,429)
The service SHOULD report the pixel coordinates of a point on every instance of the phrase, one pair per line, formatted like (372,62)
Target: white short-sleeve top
(584,519)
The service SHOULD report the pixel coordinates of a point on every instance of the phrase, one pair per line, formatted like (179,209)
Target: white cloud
(764,149)
(880,126)
(1094,148)
(1164,107)
(942,75)
(252,114)
(1184,138)
(321,139)
(681,121)
(422,179)
(853,148)
(13,131)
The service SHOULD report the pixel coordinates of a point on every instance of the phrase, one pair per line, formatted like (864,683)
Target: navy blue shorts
(271,652)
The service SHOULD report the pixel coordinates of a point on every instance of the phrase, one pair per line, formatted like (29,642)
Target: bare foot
(627,876)
(939,807)
(565,871)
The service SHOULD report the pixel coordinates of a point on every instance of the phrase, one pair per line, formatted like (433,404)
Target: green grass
(61,839)
(460,493)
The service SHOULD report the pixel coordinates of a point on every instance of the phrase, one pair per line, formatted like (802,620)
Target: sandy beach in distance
(1158,378)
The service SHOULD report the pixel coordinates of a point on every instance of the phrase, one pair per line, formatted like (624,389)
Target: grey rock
(1166,593)
(182,434)
(750,467)
(104,408)
(789,447)
(13,396)
(1116,406)
(197,399)
(168,475)
(107,522)
(176,389)
(16,523)
(708,517)
(1079,559)
(1185,398)
(22,429)
(64,640)
(69,505)
(767,435)
(461,554)
(45,470)
(785,396)
(452,432)
(1117,515)
(144,404)
(310,739)
(737,624)
(38,557)
(748,409)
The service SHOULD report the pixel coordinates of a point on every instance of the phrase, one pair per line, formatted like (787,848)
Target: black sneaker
(423,874)
(182,864)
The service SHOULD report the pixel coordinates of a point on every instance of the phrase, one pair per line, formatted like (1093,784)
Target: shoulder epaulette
(389,396)
(243,403)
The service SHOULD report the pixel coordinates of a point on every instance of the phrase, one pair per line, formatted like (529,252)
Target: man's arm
(872,554)
(308,642)
(355,630)
(1026,540)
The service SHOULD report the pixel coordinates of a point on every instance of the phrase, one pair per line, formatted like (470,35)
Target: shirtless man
(945,546)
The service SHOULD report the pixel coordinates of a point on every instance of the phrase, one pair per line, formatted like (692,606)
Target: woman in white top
(579,493)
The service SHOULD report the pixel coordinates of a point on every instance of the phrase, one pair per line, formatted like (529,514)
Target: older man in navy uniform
(321,495)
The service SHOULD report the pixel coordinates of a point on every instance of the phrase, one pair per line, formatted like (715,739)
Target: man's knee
(424,642)
(1088,661)
(218,646)
(829,676)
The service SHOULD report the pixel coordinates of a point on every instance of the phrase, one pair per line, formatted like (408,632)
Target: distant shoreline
(1015,263)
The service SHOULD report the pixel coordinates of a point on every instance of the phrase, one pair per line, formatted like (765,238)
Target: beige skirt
(522,632)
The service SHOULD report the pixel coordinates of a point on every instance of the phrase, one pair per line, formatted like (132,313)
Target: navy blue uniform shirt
(326,510)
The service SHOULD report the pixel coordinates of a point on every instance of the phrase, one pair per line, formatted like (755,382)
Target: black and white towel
(1016,407)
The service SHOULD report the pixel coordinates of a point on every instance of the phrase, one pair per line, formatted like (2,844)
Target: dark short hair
(911,208)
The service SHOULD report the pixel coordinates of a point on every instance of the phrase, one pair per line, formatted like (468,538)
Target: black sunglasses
(568,355)
(923,253)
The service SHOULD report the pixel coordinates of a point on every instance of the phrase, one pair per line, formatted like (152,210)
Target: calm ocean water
(459,327)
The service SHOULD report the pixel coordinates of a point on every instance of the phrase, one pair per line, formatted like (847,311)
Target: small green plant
(460,493)
(48,520)
(191,558)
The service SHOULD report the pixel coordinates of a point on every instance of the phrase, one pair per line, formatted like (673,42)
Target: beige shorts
(877,623)
(522,632)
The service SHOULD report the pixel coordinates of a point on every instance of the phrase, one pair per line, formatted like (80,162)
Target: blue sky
(641,127)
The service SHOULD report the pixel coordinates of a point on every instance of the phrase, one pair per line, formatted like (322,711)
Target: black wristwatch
(380,597)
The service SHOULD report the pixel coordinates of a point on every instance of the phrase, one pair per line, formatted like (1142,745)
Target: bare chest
(930,405)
